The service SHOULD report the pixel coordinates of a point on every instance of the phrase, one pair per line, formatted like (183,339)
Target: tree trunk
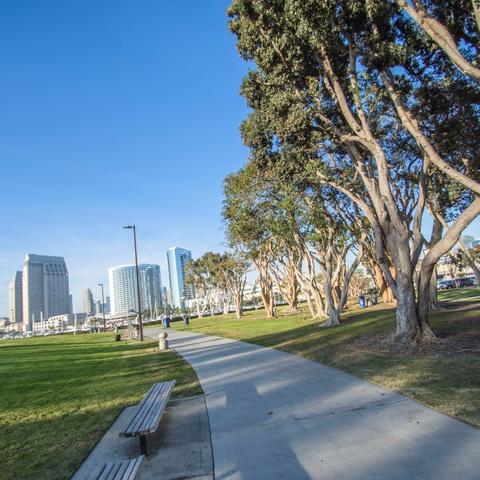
(383,288)
(266,292)
(408,325)
(333,318)
(238,305)
(434,291)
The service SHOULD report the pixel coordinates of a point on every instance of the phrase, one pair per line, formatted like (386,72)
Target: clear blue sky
(114,112)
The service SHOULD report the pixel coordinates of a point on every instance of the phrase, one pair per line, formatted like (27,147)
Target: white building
(177,259)
(45,288)
(15,299)
(123,288)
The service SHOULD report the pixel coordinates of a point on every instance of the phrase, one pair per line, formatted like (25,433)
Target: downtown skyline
(94,288)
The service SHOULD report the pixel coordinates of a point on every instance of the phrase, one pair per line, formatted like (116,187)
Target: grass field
(449,383)
(59,395)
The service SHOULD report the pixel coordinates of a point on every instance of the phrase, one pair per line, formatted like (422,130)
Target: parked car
(464,282)
(446,284)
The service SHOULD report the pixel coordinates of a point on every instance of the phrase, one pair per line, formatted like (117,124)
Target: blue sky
(114,112)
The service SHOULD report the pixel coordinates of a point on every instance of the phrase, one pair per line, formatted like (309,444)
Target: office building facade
(88,302)
(123,288)
(177,259)
(15,299)
(45,288)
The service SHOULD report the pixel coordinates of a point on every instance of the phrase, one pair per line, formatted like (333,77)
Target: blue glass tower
(177,259)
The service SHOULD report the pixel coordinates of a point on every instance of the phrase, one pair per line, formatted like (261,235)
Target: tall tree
(346,88)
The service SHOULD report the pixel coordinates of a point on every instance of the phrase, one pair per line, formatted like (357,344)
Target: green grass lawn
(59,395)
(449,383)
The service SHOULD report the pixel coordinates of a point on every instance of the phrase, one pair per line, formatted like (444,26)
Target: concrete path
(277,416)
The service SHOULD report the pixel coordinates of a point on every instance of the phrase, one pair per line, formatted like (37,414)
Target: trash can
(118,337)
(374,299)
(361,301)
(166,322)
(186,319)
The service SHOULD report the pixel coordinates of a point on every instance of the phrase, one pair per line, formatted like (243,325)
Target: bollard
(162,341)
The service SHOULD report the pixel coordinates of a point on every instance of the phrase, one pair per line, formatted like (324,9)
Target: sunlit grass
(59,395)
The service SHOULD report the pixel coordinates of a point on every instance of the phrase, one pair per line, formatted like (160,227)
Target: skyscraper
(15,299)
(88,302)
(123,291)
(45,288)
(177,259)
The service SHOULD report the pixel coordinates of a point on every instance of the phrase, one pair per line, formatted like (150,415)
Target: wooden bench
(148,413)
(121,470)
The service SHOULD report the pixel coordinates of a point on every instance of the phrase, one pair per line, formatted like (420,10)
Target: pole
(139,303)
(103,309)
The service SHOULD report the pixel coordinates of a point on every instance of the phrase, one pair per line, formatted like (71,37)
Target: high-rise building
(123,288)
(177,259)
(15,299)
(45,288)
(88,302)
(98,307)
(165,295)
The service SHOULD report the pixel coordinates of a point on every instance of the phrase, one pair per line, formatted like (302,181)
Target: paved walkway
(277,416)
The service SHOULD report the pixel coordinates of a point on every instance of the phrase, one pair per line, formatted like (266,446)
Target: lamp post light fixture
(139,303)
(103,309)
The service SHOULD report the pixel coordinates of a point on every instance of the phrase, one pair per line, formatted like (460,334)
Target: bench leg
(143,445)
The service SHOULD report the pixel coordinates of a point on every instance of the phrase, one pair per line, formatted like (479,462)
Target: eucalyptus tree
(231,270)
(348,87)
(201,277)
(243,211)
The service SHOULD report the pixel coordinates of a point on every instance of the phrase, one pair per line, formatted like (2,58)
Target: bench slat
(133,468)
(142,408)
(107,469)
(147,404)
(120,473)
(149,411)
(151,422)
(121,470)
(152,410)
(155,409)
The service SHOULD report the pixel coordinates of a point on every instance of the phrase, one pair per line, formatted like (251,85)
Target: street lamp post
(103,309)
(139,303)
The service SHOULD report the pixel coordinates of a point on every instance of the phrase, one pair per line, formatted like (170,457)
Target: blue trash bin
(361,301)
(166,322)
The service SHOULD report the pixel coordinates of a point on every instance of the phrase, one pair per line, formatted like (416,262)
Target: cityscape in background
(39,298)
(40,302)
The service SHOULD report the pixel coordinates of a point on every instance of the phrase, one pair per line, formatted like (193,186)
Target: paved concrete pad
(274,415)
(179,449)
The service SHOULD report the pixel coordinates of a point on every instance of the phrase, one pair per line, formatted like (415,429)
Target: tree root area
(447,343)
